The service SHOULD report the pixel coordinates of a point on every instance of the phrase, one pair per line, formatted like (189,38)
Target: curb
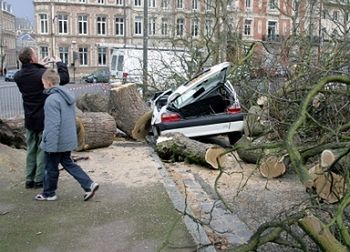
(195,229)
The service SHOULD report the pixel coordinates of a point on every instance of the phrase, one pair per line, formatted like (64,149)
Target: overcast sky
(22,8)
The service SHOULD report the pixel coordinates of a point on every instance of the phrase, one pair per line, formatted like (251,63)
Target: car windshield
(206,83)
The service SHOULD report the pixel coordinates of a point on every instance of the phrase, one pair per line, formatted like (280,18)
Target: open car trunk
(213,102)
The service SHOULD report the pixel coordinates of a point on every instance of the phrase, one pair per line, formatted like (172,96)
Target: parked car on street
(10,74)
(98,76)
(204,106)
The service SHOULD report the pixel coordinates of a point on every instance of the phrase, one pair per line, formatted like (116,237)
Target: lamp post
(145,48)
(74,58)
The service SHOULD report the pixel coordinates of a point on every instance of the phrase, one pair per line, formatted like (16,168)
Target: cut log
(93,102)
(12,133)
(95,130)
(178,147)
(328,185)
(127,106)
(272,167)
(142,126)
(336,161)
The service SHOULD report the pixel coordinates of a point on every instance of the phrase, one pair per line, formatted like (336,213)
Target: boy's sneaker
(93,188)
(41,197)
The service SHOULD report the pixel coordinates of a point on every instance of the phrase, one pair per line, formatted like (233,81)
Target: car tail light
(170,117)
(233,109)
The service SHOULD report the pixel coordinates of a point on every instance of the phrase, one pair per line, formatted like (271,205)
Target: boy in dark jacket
(28,80)
(59,138)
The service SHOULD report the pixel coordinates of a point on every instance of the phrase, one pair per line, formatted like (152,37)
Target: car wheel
(94,80)
(155,132)
(234,137)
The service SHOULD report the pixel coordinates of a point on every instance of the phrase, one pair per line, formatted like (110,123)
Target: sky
(22,8)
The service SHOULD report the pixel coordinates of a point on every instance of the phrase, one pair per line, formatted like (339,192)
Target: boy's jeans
(51,172)
(35,157)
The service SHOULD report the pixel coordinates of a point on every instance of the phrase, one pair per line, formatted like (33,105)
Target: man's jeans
(35,157)
(51,172)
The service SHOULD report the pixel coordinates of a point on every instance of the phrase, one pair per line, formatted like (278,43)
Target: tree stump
(178,147)
(93,102)
(127,106)
(95,130)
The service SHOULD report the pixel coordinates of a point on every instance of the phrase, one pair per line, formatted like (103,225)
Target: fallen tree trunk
(178,147)
(95,130)
(12,133)
(127,106)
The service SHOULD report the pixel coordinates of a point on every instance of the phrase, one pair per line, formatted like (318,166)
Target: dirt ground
(252,199)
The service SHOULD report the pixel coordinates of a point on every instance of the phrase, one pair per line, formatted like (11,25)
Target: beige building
(85,33)
(8,57)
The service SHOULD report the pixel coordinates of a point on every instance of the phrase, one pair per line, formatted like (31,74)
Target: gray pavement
(132,211)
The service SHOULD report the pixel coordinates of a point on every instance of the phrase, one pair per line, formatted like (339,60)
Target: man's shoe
(93,188)
(38,184)
(29,184)
(41,197)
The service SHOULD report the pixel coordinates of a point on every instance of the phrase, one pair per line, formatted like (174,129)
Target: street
(11,99)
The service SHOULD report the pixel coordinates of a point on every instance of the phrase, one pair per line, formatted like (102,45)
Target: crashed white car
(204,106)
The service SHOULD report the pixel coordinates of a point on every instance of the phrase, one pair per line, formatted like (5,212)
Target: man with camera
(29,82)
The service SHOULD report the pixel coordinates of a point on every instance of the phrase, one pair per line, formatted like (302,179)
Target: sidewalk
(132,211)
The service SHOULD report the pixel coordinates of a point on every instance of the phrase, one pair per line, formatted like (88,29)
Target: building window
(82,25)
(209,5)
(120,2)
(43,24)
(271,30)
(102,56)
(101,25)
(62,24)
(164,4)
(137,3)
(138,26)
(195,28)
(180,27)
(119,26)
(248,27)
(194,4)
(82,1)
(273,4)
(164,29)
(248,4)
(44,51)
(152,3)
(152,26)
(100,1)
(208,27)
(83,56)
(179,4)
(63,54)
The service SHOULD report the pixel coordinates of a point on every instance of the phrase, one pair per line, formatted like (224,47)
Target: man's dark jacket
(29,82)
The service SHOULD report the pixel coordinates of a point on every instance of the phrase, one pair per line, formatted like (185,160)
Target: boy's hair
(25,55)
(51,76)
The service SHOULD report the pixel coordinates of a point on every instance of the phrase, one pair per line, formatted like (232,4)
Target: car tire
(233,137)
